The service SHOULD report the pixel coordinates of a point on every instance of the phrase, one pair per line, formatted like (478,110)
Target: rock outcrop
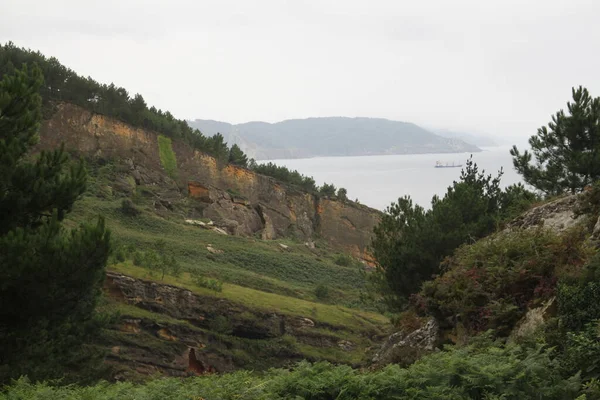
(558,215)
(534,320)
(406,347)
(187,333)
(238,200)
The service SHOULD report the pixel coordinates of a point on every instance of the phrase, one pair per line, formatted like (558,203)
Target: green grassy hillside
(280,277)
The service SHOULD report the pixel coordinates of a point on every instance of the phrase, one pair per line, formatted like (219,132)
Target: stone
(283,246)
(304,323)
(310,244)
(219,230)
(533,320)
(166,334)
(213,250)
(195,222)
(345,345)
(558,215)
(596,231)
(406,347)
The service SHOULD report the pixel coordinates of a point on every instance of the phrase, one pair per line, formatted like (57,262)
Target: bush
(220,324)
(491,283)
(579,301)
(322,292)
(129,209)
(343,260)
(481,370)
(208,283)
(160,260)
(582,352)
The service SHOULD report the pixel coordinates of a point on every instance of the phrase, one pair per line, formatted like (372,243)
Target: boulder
(213,250)
(406,347)
(533,320)
(558,215)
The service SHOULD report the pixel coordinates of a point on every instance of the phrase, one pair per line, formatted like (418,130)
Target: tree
(237,156)
(342,194)
(50,277)
(567,152)
(327,190)
(410,242)
(217,147)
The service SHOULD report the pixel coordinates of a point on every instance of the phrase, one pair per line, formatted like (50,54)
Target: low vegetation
(454,262)
(485,369)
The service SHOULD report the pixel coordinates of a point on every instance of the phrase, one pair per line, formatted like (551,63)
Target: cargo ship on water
(439,164)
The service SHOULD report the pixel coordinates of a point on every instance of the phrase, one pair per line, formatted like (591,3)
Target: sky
(496,67)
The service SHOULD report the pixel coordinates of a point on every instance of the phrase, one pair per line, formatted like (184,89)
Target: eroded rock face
(558,215)
(207,327)
(240,201)
(406,347)
(534,320)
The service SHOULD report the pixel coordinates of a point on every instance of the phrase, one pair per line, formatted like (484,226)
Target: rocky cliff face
(239,200)
(179,333)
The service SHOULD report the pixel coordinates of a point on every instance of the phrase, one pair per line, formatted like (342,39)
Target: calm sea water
(379,180)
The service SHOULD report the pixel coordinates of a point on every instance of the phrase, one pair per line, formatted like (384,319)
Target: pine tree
(327,190)
(237,156)
(410,242)
(567,152)
(217,147)
(50,277)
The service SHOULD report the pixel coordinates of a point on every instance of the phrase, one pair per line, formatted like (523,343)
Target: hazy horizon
(469,66)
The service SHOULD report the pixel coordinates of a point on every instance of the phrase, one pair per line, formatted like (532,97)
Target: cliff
(196,186)
(173,331)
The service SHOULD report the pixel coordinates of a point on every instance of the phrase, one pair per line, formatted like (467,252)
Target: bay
(379,180)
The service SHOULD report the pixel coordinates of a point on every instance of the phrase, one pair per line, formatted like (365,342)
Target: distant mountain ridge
(473,138)
(331,136)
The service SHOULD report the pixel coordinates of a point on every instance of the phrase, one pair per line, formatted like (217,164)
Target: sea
(377,181)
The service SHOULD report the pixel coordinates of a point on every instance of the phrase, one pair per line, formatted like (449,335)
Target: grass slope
(259,275)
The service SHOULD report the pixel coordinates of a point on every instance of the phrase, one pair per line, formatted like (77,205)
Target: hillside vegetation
(494,293)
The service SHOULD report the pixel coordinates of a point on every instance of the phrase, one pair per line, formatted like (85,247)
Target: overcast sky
(501,67)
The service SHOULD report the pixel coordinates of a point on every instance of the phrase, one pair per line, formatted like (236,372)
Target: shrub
(322,292)
(481,370)
(490,284)
(129,209)
(208,283)
(220,324)
(582,352)
(167,156)
(343,260)
(579,302)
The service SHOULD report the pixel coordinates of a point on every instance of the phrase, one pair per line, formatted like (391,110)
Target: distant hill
(332,136)
(473,138)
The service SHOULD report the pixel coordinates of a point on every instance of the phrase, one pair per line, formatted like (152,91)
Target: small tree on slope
(567,152)
(50,278)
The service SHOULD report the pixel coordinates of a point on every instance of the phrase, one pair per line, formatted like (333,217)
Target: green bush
(481,370)
(208,283)
(129,209)
(322,292)
(167,156)
(158,259)
(343,260)
(491,283)
(579,299)
(220,324)
(581,352)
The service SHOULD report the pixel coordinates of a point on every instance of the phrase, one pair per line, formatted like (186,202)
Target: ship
(439,164)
